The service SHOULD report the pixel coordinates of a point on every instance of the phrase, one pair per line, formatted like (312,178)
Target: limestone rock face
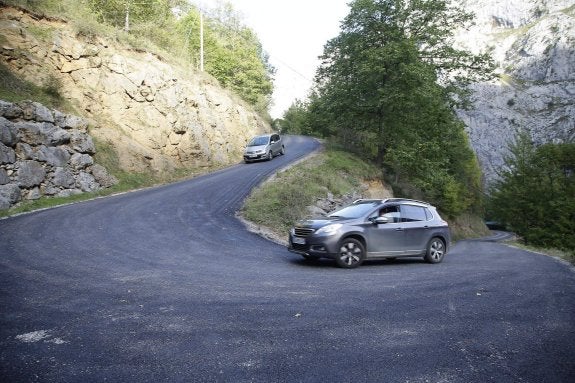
(533,44)
(158,116)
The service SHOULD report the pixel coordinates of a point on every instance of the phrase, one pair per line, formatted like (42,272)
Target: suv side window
(410,213)
(391,212)
(275,138)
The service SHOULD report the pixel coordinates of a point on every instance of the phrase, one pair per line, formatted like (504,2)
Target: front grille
(303,231)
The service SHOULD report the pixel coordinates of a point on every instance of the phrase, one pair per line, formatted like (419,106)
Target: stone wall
(44,152)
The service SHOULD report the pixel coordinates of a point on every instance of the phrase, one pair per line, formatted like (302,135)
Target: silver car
(264,147)
(373,229)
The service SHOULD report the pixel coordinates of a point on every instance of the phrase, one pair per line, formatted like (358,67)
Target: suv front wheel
(351,253)
(435,250)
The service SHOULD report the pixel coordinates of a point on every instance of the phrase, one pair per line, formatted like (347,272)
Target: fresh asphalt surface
(166,285)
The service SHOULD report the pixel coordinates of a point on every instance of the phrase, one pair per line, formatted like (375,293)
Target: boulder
(9,195)
(7,154)
(63,178)
(81,142)
(86,182)
(102,176)
(81,161)
(8,134)
(30,173)
(4,178)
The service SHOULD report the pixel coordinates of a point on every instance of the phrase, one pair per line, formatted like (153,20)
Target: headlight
(329,229)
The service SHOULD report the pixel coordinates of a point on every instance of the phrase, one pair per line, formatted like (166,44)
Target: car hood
(316,223)
(256,148)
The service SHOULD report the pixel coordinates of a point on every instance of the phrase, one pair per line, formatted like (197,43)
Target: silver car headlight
(329,229)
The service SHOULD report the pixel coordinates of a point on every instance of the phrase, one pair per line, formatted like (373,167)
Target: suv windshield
(356,210)
(257,141)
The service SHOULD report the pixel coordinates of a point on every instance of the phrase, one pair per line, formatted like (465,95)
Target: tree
(535,194)
(121,13)
(385,89)
(233,54)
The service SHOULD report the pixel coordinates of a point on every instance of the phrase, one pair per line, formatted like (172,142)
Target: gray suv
(373,229)
(264,147)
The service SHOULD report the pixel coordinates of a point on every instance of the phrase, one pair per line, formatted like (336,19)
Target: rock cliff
(533,44)
(157,115)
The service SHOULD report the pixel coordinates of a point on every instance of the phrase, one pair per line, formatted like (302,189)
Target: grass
(568,256)
(278,203)
(14,89)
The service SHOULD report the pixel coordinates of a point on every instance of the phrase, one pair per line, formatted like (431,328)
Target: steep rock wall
(157,115)
(533,44)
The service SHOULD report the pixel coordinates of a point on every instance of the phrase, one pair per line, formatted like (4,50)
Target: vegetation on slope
(284,200)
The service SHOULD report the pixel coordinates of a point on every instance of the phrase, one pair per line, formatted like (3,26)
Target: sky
(293,33)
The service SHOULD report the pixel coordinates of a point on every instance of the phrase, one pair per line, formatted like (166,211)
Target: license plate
(252,155)
(298,240)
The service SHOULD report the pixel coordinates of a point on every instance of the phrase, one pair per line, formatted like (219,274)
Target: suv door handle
(399,229)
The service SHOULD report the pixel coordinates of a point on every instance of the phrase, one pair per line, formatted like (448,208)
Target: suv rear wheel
(435,250)
(351,253)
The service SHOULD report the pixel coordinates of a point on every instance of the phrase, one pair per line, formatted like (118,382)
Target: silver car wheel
(435,251)
(351,253)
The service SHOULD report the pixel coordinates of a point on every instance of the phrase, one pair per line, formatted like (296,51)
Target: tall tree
(386,86)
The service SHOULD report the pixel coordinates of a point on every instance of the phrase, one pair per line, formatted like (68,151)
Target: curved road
(166,285)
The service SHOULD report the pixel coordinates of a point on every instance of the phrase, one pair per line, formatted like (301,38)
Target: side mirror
(381,220)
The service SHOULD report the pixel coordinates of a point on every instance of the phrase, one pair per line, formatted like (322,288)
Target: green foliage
(378,92)
(232,54)
(295,119)
(125,13)
(284,200)
(535,196)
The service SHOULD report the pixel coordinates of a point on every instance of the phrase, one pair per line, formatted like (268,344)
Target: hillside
(158,115)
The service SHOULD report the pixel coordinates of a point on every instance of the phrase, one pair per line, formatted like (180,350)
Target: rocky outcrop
(158,115)
(45,153)
(533,44)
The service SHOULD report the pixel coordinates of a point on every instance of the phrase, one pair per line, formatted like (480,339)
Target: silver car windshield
(356,210)
(258,141)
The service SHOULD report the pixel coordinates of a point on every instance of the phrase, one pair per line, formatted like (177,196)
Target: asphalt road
(166,285)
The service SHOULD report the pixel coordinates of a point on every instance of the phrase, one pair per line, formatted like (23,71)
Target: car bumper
(312,246)
(255,157)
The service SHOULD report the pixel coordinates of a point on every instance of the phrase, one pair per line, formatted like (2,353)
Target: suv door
(416,228)
(386,239)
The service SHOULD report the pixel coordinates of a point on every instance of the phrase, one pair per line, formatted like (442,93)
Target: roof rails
(392,200)
(406,200)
